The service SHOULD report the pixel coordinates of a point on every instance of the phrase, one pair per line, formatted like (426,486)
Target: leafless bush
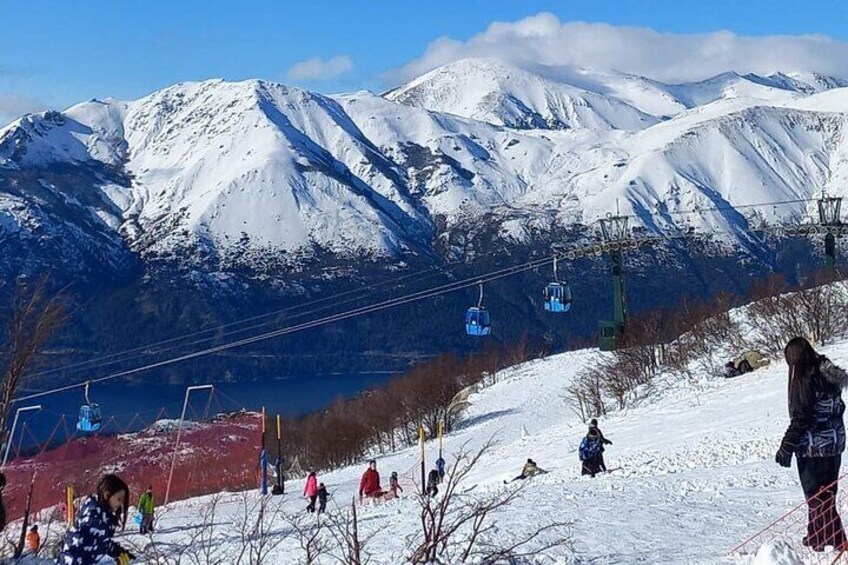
(202,546)
(309,532)
(816,313)
(586,393)
(457,527)
(349,544)
(254,524)
(36,315)
(349,429)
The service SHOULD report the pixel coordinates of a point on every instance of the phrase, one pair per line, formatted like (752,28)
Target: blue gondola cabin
(89,418)
(478,322)
(557,297)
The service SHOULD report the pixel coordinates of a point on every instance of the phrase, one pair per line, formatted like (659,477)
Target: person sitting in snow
(369,485)
(90,538)
(433,482)
(394,485)
(530,470)
(322,498)
(590,451)
(593,423)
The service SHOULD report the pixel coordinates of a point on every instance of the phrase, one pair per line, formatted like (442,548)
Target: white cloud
(319,69)
(544,40)
(13,106)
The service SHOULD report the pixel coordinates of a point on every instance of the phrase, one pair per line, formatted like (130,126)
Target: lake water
(132,407)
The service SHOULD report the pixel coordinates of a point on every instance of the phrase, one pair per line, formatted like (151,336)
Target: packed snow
(692,471)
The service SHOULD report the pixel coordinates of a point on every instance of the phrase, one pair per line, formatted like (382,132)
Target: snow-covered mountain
(253,173)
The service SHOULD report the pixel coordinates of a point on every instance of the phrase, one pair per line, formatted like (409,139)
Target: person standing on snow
(310,490)
(146,508)
(440,465)
(322,498)
(593,423)
(33,540)
(816,436)
(433,482)
(369,485)
(394,485)
(590,451)
(90,538)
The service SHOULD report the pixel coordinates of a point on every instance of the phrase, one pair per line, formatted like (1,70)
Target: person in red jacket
(369,486)
(311,490)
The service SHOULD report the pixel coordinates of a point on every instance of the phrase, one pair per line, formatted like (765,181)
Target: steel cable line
(113,358)
(420,295)
(126,355)
(413,297)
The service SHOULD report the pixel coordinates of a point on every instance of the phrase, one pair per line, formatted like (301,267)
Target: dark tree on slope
(36,314)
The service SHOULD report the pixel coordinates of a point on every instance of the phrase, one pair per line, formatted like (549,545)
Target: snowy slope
(253,171)
(696,458)
(491,91)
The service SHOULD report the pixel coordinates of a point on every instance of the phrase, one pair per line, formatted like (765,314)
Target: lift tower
(615,231)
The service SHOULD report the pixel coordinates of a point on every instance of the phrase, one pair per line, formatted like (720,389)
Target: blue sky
(60,52)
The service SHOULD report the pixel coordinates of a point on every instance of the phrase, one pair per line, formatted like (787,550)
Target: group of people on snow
(815,437)
(315,491)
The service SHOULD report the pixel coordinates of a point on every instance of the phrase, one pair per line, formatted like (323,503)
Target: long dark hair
(109,486)
(803,364)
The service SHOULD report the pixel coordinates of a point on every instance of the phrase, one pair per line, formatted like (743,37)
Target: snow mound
(777,553)
(169,425)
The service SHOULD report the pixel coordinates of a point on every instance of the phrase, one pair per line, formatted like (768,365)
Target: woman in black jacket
(816,436)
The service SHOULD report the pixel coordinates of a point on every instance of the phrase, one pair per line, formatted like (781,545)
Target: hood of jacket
(833,374)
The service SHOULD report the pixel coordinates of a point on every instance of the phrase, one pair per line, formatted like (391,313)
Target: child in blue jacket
(90,538)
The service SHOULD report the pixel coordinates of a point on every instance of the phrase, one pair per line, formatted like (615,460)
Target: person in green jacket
(145,508)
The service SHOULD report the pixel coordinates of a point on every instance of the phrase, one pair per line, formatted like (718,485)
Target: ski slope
(695,471)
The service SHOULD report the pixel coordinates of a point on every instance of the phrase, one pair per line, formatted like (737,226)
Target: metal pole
(14,425)
(421,443)
(179,433)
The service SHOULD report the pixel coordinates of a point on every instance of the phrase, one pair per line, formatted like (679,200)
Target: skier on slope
(816,436)
(310,490)
(90,538)
(369,485)
(593,423)
(590,451)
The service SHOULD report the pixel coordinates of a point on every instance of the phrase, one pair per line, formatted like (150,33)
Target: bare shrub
(457,527)
(309,532)
(586,393)
(254,524)
(36,315)
(816,313)
(349,544)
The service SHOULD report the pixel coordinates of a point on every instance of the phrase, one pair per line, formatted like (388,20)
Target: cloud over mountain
(545,40)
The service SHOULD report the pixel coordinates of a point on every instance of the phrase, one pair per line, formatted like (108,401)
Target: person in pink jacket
(310,491)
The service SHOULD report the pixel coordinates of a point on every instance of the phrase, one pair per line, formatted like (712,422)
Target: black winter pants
(311,506)
(818,479)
